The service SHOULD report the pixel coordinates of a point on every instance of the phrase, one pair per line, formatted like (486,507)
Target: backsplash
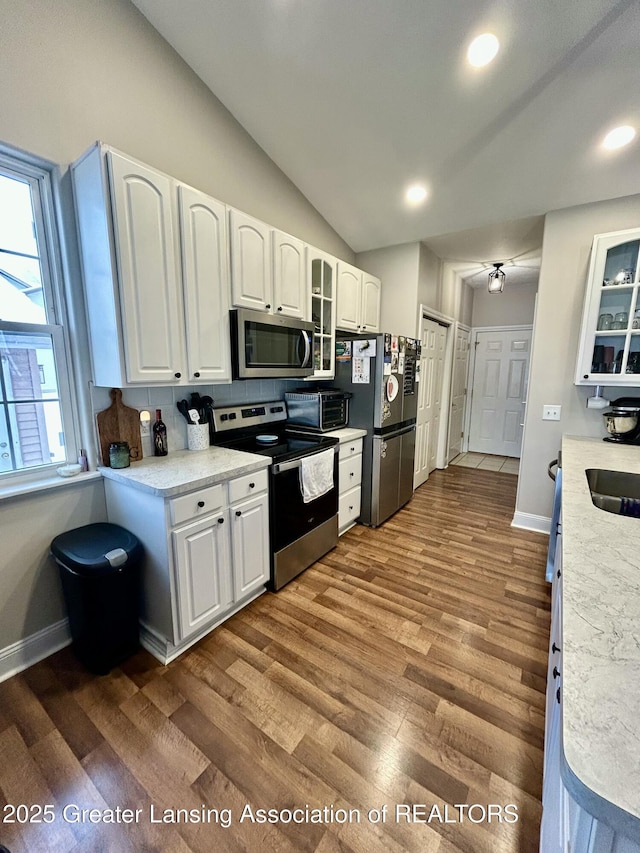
(165,399)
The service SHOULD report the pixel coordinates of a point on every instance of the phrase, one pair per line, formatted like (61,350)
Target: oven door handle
(281,467)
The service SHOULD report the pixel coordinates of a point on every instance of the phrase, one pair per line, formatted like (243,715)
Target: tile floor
(506,464)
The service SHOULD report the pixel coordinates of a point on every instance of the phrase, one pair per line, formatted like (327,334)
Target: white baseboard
(25,653)
(526,521)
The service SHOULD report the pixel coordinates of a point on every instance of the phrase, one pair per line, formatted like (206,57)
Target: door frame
(457,326)
(426,313)
(472,366)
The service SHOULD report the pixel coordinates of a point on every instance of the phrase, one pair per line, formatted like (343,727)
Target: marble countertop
(347,434)
(185,470)
(600,639)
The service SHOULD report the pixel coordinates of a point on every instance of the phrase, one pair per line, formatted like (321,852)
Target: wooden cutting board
(119,423)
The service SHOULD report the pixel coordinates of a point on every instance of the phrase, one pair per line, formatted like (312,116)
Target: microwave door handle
(307,347)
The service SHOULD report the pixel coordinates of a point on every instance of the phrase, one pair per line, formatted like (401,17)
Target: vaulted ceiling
(357,99)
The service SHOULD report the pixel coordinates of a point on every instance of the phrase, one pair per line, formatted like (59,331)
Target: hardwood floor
(404,670)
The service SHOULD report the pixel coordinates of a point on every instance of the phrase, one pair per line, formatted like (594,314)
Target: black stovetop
(287,445)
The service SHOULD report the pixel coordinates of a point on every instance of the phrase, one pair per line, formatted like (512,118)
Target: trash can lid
(96,548)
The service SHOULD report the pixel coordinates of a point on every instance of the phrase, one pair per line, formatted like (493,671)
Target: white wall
(397,267)
(515,306)
(429,279)
(72,72)
(75,71)
(566,248)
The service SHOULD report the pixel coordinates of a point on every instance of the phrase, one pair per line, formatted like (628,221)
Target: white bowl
(69,470)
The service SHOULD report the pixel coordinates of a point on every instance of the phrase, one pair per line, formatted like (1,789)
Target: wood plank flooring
(406,670)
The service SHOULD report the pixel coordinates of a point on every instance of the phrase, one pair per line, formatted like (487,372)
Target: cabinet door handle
(200,504)
(556,672)
(558,695)
(280,308)
(350,508)
(559,573)
(197,374)
(252,485)
(221,521)
(352,473)
(267,306)
(177,375)
(238,512)
(555,648)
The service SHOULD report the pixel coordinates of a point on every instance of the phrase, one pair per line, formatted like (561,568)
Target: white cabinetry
(322,275)
(137,298)
(609,351)
(206,555)
(349,477)
(205,277)
(251,274)
(290,290)
(358,300)
(268,270)
(566,827)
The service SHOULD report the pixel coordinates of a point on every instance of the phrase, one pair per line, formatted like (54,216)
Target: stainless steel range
(303,525)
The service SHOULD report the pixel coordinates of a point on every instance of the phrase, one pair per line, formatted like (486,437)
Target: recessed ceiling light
(483,49)
(618,137)
(416,194)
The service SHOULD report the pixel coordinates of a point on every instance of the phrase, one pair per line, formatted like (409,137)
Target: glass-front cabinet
(609,352)
(322,275)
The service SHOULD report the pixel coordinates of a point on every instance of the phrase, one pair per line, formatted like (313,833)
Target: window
(35,407)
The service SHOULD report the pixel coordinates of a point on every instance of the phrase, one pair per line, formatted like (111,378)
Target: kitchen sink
(615,491)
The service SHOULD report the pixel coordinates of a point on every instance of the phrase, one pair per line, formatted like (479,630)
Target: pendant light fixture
(496,279)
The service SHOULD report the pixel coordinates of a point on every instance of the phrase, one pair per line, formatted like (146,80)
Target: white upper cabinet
(150,292)
(290,289)
(358,301)
(155,268)
(609,351)
(322,276)
(268,269)
(205,276)
(370,306)
(251,268)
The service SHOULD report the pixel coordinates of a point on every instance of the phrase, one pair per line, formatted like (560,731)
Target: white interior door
(433,338)
(458,393)
(499,391)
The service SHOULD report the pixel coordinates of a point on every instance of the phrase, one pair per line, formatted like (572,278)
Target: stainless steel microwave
(267,345)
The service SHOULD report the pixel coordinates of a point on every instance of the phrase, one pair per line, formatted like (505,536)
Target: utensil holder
(197,436)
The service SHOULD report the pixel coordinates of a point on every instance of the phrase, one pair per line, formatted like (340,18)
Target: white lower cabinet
(203,572)
(566,826)
(349,482)
(206,555)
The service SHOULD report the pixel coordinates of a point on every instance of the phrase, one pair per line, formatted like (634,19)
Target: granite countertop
(185,470)
(347,434)
(600,639)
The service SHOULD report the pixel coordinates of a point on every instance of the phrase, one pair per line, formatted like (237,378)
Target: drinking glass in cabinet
(326,325)
(604,322)
(621,264)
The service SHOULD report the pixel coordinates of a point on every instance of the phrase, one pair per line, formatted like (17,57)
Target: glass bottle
(159,436)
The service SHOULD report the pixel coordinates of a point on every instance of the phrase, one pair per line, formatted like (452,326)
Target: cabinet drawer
(350,448)
(196,504)
(245,487)
(350,473)
(348,507)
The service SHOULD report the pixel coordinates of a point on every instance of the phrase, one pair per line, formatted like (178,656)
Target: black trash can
(100,572)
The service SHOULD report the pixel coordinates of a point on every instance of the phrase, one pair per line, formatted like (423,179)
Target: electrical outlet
(145,424)
(551,413)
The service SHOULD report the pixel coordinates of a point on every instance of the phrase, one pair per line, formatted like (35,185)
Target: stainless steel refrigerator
(380,371)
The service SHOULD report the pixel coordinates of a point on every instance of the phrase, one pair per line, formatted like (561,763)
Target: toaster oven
(317,411)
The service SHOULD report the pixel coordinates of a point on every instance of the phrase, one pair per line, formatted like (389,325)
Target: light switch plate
(551,413)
